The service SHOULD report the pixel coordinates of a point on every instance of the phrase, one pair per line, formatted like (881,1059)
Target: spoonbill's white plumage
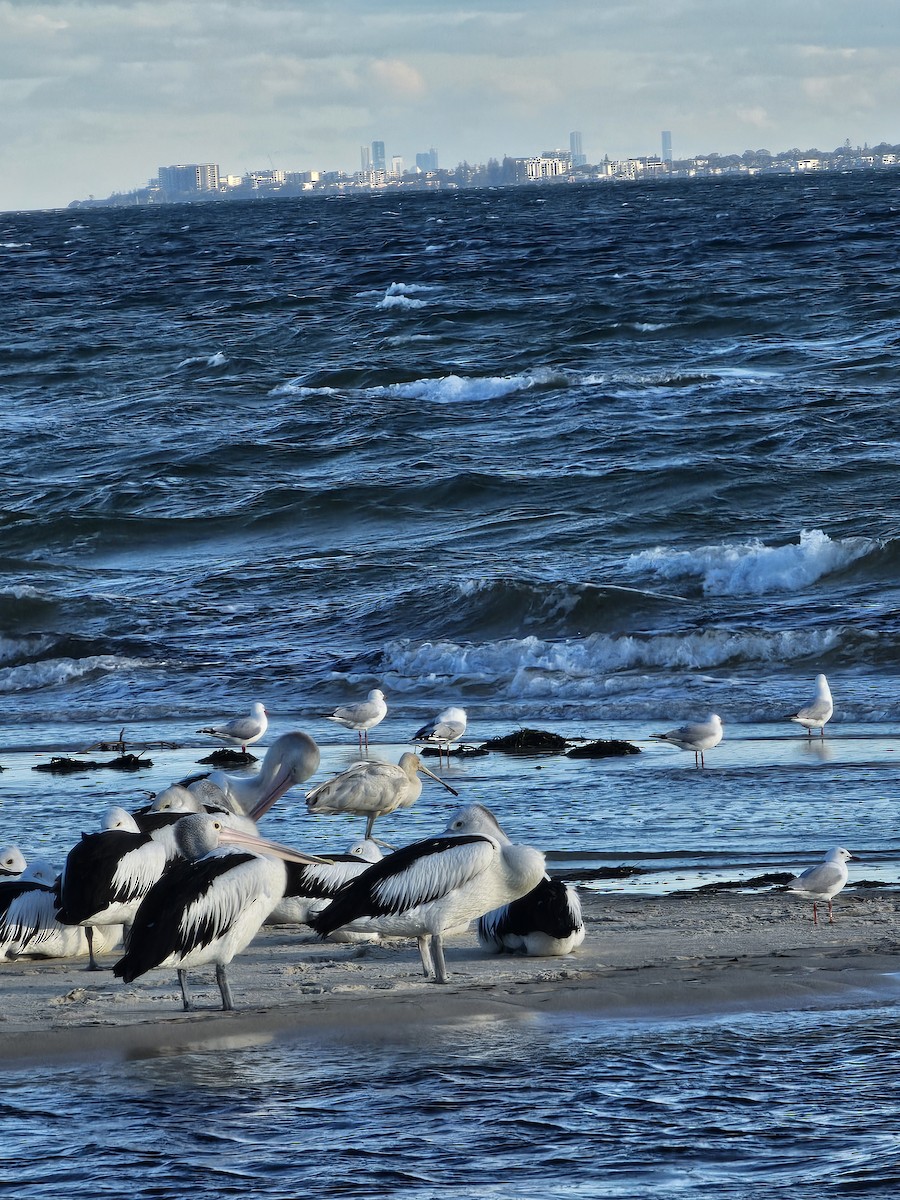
(823,881)
(291,758)
(209,904)
(242,731)
(362,716)
(817,713)
(446,728)
(311,886)
(696,736)
(372,789)
(438,884)
(107,874)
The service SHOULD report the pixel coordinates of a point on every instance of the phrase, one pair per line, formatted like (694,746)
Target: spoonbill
(209,905)
(818,712)
(362,716)
(372,789)
(697,736)
(435,885)
(242,731)
(823,881)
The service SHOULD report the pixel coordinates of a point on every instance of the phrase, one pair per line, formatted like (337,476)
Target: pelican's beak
(280,784)
(425,771)
(237,837)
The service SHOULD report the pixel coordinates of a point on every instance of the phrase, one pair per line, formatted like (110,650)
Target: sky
(96,96)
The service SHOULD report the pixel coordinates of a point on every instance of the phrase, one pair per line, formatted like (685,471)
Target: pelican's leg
(185,990)
(440,967)
(222,981)
(93,965)
(424,942)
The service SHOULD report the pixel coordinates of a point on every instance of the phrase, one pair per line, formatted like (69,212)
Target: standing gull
(362,716)
(815,714)
(823,881)
(446,728)
(242,731)
(697,736)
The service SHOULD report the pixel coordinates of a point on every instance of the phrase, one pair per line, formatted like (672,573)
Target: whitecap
(50,672)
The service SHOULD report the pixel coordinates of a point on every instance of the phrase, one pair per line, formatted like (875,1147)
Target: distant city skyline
(95,94)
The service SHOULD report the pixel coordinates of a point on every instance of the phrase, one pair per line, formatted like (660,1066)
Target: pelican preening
(436,885)
(242,731)
(696,736)
(817,713)
(446,728)
(209,905)
(823,881)
(362,716)
(291,759)
(372,789)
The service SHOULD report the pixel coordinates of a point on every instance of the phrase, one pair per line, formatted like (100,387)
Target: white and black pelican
(696,736)
(242,731)
(310,887)
(362,716)
(823,881)
(107,874)
(548,921)
(372,789)
(818,712)
(12,861)
(28,924)
(291,758)
(435,885)
(446,728)
(209,905)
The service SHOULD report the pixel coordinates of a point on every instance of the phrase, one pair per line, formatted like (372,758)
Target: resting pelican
(242,731)
(309,888)
(207,907)
(436,885)
(12,861)
(446,728)
(372,789)
(547,921)
(362,716)
(28,924)
(817,713)
(290,759)
(107,874)
(824,881)
(697,736)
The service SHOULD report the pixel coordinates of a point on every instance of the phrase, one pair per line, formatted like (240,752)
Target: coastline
(682,955)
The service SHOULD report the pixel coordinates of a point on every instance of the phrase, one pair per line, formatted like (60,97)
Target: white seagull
(209,905)
(446,728)
(697,736)
(435,885)
(818,712)
(291,759)
(824,881)
(372,789)
(362,716)
(242,731)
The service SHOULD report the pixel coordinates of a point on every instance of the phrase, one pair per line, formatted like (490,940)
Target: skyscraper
(379,162)
(667,147)
(576,157)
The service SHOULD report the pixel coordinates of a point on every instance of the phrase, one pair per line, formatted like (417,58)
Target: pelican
(28,924)
(372,789)
(242,731)
(446,728)
(309,888)
(818,712)
(697,736)
(107,874)
(546,922)
(823,881)
(436,885)
(290,759)
(12,861)
(207,907)
(362,716)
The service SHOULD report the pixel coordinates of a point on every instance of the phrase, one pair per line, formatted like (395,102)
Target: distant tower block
(667,147)
(378,160)
(576,154)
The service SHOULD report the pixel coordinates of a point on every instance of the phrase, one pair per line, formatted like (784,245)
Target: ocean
(594,460)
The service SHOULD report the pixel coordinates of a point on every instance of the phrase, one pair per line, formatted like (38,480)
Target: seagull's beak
(237,837)
(425,771)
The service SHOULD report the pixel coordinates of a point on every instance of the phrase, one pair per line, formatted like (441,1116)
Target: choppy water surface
(592,460)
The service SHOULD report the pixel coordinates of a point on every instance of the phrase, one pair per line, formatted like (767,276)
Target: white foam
(54,671)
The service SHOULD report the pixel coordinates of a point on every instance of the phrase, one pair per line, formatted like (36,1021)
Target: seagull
(362,716)
(824,881)
(208,906)
(242,731)
(372,789)
(291,759)
(436,885)
(815,714)
(697,736)
(447,727)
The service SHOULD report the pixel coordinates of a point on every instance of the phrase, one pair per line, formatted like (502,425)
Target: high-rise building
(186,179)
(379,163)
(365,159)
(428,161)
(667,147)
(576,155)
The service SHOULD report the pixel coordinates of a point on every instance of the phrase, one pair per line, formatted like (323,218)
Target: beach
(678,955)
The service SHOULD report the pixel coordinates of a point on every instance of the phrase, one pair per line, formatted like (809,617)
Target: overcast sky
(94,97)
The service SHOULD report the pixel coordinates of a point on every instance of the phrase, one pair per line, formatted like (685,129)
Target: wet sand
(643,957)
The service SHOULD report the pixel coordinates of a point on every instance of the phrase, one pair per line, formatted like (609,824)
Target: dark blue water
(589,459)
